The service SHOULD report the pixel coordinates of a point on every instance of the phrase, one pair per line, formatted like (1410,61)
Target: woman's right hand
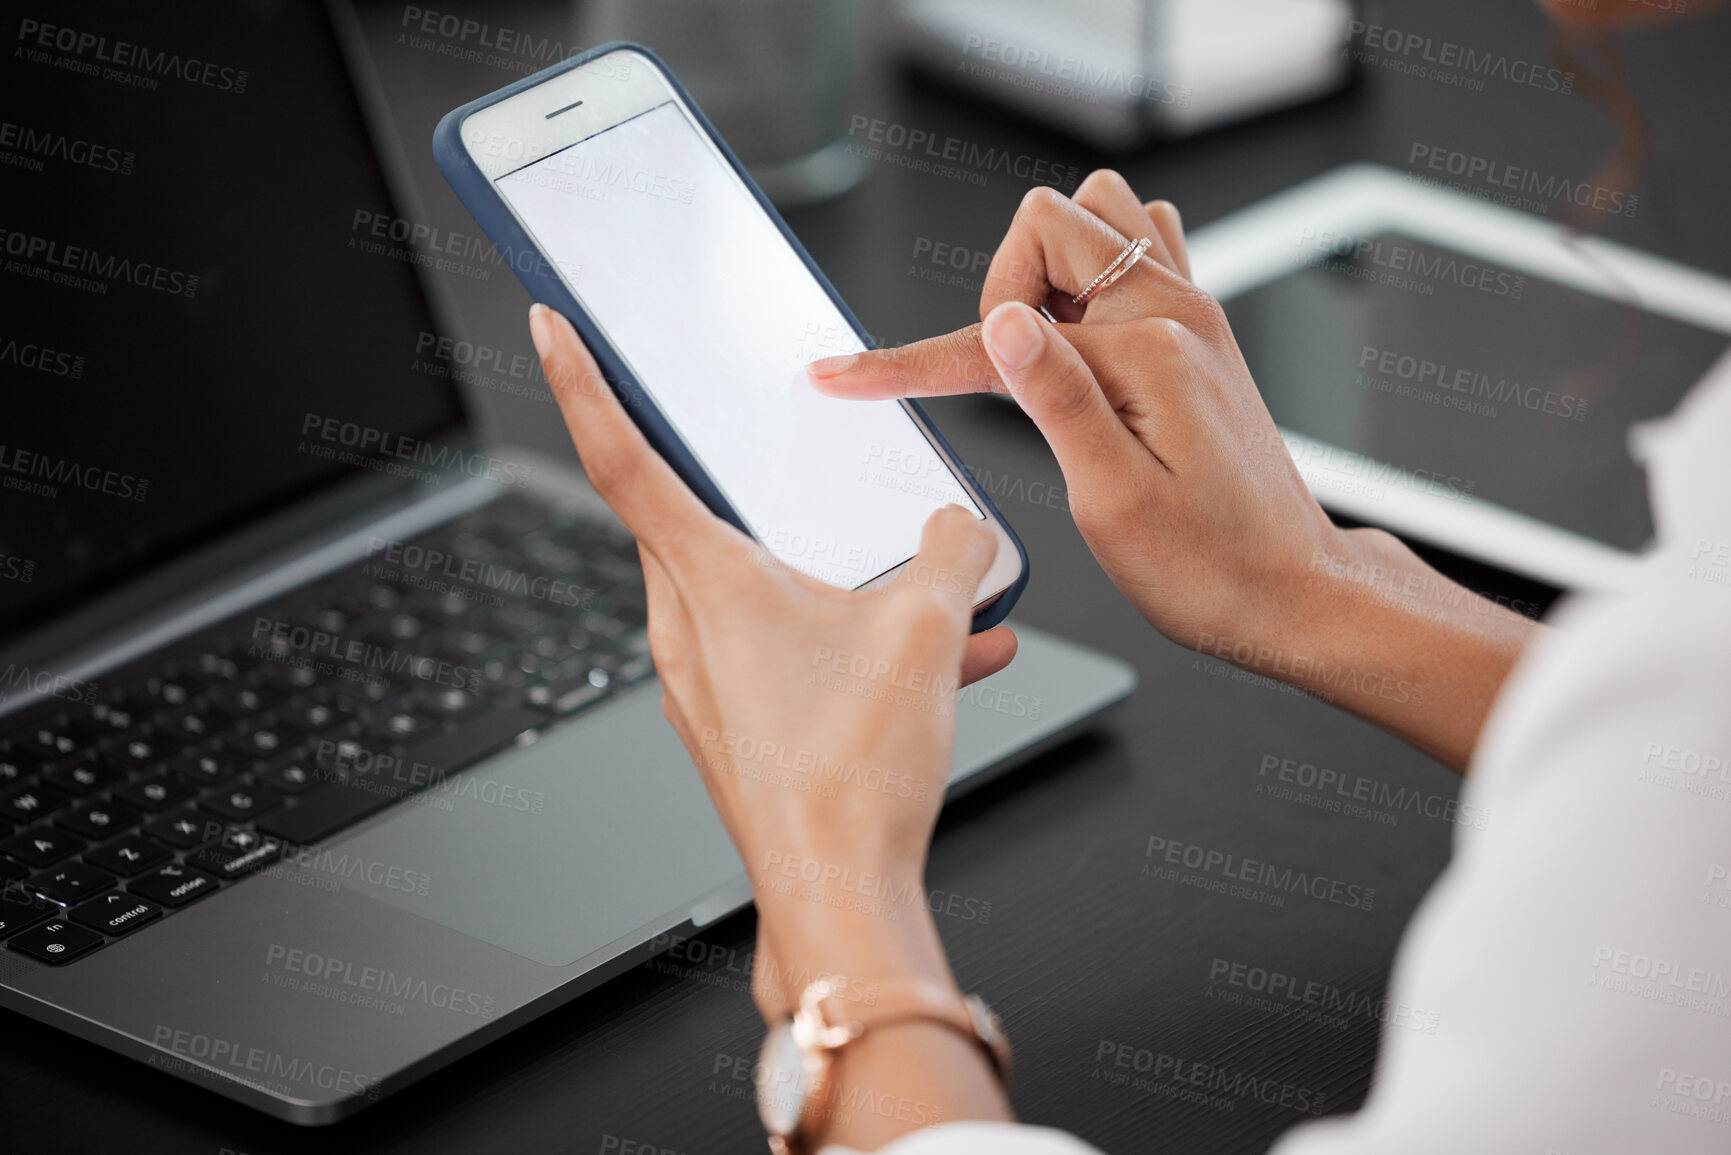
(1182,485)
(1177,476)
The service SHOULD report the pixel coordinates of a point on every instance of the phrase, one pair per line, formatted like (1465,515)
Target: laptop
(326,730)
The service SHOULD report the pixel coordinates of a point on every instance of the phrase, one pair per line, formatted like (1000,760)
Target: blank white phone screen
(717,316)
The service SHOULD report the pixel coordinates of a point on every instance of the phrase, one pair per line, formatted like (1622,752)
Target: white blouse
(1577,950)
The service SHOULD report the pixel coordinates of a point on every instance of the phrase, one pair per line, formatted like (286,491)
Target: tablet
(1461,372)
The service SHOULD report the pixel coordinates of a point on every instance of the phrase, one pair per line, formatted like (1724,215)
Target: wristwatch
(794,1094)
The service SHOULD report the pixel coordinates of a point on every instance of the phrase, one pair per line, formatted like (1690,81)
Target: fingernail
(541,328)
(831,366)
(1013,335)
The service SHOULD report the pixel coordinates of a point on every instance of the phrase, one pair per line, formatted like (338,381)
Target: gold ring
(1124,262)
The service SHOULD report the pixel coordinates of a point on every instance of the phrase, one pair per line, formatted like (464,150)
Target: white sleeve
(1577,951)
(979,1139)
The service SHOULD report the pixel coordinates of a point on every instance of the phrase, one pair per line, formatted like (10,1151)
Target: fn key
(56,942)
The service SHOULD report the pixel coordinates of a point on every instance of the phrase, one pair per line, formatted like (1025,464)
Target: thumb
(956,550)
(1056,389)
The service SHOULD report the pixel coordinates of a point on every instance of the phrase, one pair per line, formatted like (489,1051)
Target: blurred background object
(775,76)
(1117,72)
(1610,14)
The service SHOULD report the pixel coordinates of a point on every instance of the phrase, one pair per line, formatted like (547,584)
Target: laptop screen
(211,306)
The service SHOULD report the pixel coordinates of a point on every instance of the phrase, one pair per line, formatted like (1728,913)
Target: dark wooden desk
(1046,906)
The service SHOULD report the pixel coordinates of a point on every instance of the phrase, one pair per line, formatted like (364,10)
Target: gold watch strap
(824,1024)
(913,1000)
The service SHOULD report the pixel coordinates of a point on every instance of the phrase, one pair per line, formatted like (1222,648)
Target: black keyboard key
(113,717)
(552,647)
(449,702)
(116,914)
(402,726)
(98,820)
(237,853)
(20,907)
(471,543)
(351,699)
(268,693)
(251,745)
(578,692)
(548,554)
(17,765)
(210,669)
(41,846)
(287,678)
(11,871)
(173,885)
(51,740)
(450,606)
(240,803)
(236,702)
(182,830)
(154,792)
(501,675)
(402,628)
(568,695)
(167,691)
(514,515)
(340,759)
(516,618)
(289,777)
(25,804)
(56,942)
(210,765)
(81,722)
(190,725)
(73,882)
(319,617)
(128,855)
(81,777)
(375,596)
(139,753)
(309,719)
(461,644)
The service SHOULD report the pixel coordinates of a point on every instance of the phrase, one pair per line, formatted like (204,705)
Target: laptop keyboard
(190,769)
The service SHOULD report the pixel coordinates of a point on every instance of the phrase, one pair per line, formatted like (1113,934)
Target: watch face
(783,1083)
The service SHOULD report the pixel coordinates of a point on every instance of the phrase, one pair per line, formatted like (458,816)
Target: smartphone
(616,202)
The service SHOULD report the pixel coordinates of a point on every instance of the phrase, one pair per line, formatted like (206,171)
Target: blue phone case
(488,207)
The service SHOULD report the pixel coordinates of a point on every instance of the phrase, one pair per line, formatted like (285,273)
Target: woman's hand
(1181,484)
(1176,474)
(823,723)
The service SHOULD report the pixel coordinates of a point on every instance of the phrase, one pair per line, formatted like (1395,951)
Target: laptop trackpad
(555,850)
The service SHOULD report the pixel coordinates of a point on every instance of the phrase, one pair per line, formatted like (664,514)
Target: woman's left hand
(821,719)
